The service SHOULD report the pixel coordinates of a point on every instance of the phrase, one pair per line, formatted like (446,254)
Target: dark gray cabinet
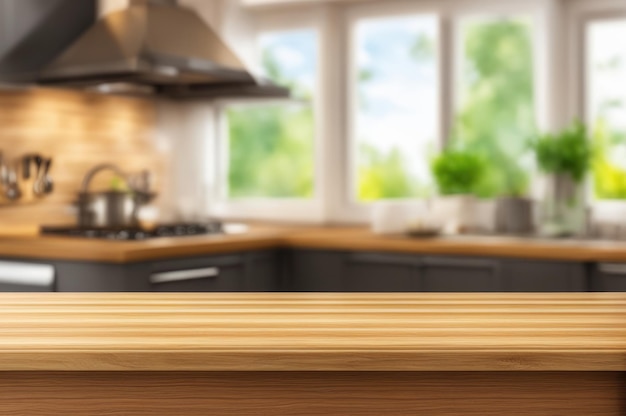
(101,277)
(544,276)
(262,272)
(378,272)
(389,272)
(315,271)
(456,274)
(211,274)
(9,287)
(608,277)
(330,271)
(239,272)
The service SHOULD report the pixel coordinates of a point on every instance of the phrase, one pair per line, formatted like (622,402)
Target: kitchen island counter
(309,332)
(296,354)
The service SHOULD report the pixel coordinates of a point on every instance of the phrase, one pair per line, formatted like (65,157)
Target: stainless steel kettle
(113,208)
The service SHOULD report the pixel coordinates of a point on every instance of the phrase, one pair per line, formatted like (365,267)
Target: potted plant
(457,172)
(566,159)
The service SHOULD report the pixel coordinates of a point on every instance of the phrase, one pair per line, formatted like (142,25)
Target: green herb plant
(569,152)
(458,171)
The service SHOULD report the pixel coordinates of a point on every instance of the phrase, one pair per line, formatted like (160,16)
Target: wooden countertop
(310,332)
(29,245)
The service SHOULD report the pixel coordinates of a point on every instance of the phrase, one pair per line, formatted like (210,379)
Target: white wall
(188,129)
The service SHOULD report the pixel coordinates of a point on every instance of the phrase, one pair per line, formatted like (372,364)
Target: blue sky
(398,105)
(296,53)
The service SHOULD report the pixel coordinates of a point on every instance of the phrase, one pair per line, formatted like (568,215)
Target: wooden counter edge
(337,239)
(430,361)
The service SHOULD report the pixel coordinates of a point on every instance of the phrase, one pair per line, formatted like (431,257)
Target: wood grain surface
(312,332)
(298,394)
(30,245)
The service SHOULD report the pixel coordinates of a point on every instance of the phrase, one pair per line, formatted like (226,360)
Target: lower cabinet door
(315,271)
(207,279)
(544,276)
(450,274)
(608,277)
(376,272)
(219,274)
(262,272)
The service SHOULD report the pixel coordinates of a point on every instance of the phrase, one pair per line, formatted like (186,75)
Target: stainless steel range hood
(156,46)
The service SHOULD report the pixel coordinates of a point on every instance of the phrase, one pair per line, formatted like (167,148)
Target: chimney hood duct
(158,46)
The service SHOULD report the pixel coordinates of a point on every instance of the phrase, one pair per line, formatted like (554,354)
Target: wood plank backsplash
(78,130)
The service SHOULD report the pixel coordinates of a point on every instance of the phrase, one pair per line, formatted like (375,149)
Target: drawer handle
(613,268)
(382,259)
(457,263)
(183,275)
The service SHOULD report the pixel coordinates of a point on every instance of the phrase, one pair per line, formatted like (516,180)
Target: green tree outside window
(271,145)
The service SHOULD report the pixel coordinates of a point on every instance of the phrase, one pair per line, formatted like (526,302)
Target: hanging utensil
(13,192)
(47,183)
(26,162)
(38,183)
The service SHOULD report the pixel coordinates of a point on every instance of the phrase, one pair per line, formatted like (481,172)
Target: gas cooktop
(136,233)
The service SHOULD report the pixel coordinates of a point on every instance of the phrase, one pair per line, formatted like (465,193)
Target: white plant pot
(393,217)
(457,213)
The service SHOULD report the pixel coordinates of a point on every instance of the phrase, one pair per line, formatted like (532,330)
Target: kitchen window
(381,87)
(496,98)
(395,113)
(419,83)
(606,105)
(270,150)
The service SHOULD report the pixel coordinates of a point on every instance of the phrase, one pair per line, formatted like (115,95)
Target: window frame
(580,14)
(449,14)
(333,199)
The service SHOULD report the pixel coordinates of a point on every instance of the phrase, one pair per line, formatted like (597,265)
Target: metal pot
(110,209)
(113,208)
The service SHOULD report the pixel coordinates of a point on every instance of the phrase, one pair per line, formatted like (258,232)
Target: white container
(393,217)
(457,213)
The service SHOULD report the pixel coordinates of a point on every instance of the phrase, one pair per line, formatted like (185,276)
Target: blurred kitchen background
(459,116)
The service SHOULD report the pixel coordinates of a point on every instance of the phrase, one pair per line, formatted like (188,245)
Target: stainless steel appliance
(151,47)
(156,46)
(113,208)
(136,233)
(26,277)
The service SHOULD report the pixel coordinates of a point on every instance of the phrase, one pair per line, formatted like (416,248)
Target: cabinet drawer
(609,277)
(316,271)
(379,272)
(544,276)
(211,274)
(262,272)
(456,274)
(206,279)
